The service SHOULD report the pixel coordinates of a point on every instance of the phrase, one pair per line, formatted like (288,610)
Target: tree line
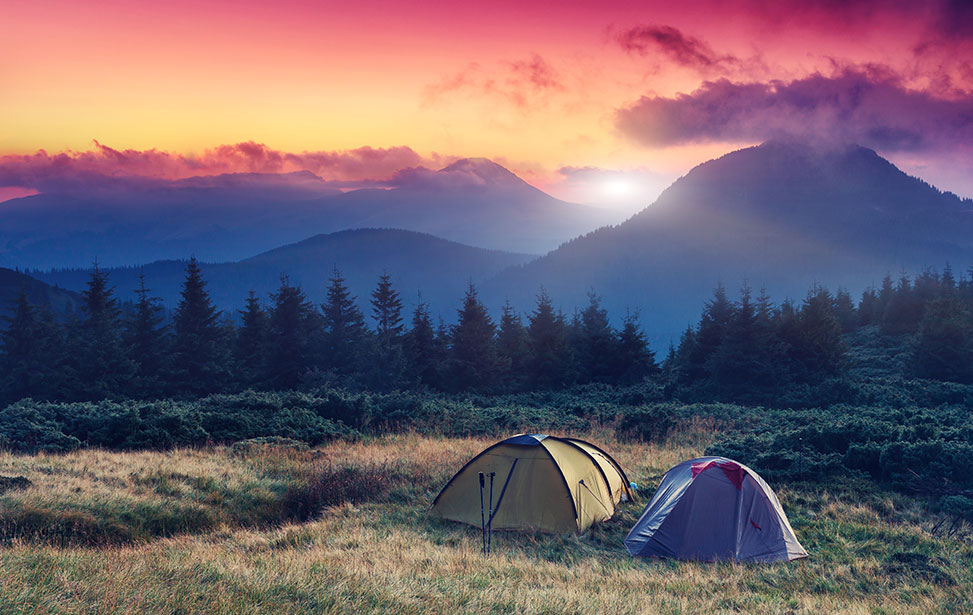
(753,351)
(115,350)
(747,350)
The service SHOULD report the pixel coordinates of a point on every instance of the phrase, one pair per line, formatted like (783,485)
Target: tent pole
(490,522)
(503,491)
(482,522)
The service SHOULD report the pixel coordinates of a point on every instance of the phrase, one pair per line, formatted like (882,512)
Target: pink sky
(602,102)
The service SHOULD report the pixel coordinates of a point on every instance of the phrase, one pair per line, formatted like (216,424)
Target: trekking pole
(482,521)
(490,522)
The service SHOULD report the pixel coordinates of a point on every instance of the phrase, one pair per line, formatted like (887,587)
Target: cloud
(868,105)
(106,167)
(536,73)
(682,49)
(523,83)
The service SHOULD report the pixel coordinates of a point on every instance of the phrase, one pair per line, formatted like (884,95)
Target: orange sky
(534,85)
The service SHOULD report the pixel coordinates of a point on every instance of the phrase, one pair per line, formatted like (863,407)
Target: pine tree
(473,359)
(289,336)
(885,293)
(634,361)
(144,338)
(101,366)
(549,355)
(251,348)
(200,357)
(682,366)
(386,311)
(869,308)
(31,354)
(904,309)
(596,343)
(746,366)
(425,352)
(389,366)
(712,328)
(512,349)
(947,281)
(669,364)
(818,349)
(943,348)
(733,365)
(844,311)
(344,327)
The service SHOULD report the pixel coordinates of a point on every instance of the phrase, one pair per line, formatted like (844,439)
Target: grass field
(344,529)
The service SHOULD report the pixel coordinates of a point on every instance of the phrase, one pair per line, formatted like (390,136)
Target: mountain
(473,201)
(781,215)
(12,282)
(121,221)
(440,269)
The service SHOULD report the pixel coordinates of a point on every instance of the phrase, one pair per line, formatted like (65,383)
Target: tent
(542,483)
(714,508)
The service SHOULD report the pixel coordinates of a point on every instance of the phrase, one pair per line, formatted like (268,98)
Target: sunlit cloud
(78,171)
(524,83)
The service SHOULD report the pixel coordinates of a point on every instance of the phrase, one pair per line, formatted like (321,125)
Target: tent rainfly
(713,508)
(543,483)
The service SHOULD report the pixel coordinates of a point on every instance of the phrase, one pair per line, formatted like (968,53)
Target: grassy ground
(222,530)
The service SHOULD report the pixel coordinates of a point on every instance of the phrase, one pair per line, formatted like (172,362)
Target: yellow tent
(541,483)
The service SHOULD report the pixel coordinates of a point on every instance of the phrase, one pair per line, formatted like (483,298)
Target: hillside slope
(440,269)
(781,216)
(12,283)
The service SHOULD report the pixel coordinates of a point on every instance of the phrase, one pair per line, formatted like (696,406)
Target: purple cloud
(108,168)
(867,105)
(678,47)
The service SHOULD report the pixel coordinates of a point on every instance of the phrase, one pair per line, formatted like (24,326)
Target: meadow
(276,526)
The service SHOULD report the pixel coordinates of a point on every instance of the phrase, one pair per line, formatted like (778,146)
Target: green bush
(30,426)
(900,445)
(645,423)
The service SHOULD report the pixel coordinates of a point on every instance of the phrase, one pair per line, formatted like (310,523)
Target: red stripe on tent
(754,524)
(733,471)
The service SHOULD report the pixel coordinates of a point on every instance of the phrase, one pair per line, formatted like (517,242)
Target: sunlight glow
(618,187)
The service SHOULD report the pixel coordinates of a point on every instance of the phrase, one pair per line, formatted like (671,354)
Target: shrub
(29,426)
(336,486)
(958,507)
(645,423)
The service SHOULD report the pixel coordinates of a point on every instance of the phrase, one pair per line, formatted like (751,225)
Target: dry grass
(872,552)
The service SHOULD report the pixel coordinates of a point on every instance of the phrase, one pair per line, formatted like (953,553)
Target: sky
(597,102)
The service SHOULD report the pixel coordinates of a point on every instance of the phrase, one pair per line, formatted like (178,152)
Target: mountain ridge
(119,221)
(779,215)
(417,262)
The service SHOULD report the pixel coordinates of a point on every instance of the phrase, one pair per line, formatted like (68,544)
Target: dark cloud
(868,105)
(678,47)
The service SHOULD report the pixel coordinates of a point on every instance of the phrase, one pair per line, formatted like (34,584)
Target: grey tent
(713,508)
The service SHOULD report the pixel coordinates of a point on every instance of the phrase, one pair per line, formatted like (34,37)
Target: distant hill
(781,215)
(472,201)
(440,269)
(59,301)
(123,221)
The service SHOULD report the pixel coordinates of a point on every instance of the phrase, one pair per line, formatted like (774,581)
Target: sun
(617,187)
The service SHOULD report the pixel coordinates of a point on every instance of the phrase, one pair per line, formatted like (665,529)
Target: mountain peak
(486,170)
(806,188)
